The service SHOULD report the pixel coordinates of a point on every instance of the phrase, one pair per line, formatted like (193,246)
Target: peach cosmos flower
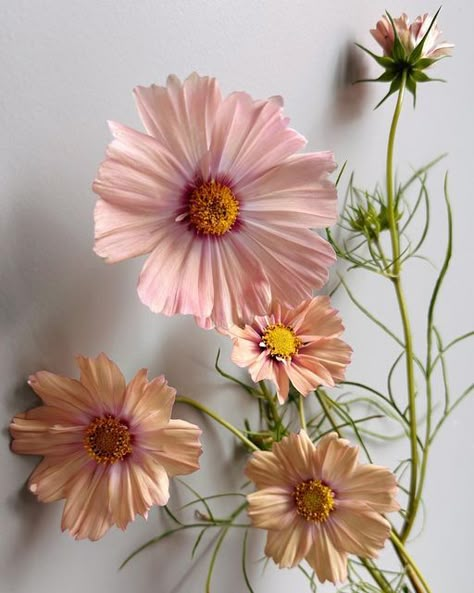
(300,345)
(410,35)
(318,503)
(215,194)
(108,448)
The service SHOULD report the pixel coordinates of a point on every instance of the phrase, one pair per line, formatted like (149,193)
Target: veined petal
(329,563)
(53,477)
(181,115)
(372,484)
(271,508)
(104,381)
(288,547)
(62,392)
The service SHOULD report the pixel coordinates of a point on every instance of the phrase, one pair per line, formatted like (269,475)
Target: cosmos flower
(300,345)
(217,197)
(108,448)
(318,503)
(410,35)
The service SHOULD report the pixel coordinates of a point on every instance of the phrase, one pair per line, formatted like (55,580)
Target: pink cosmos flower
(108,448)
(318,503)
(410,35)
(215,194)
(300,345)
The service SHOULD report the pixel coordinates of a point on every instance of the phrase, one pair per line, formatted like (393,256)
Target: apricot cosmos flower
(300,345)
(217,197)
(318,503)
(108,448)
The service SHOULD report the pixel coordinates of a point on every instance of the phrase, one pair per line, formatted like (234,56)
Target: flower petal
(249,138)
(104,381)
(153,409)
(176,446)
(181,115)
(289,546)
(271,508)
(339,462)
(86,512)
(329,563)
(52,478)
(372,484)
(62,392)
(294,193)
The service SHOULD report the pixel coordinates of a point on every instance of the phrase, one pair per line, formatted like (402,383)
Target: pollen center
(213,208)
(281,340)
(107,440)
(314,500)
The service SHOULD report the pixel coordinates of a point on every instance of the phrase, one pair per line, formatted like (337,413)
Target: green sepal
(394,87)
(418,50)
(384,61)
(398,52)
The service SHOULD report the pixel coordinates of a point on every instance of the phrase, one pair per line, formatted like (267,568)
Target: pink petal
(104,381)
(181,116)
(289,546)
(282,381)
(295,260)
(329,357)
(176,446)
(294,193)
(249,138)
(316,318)
(176,278)
(328,563)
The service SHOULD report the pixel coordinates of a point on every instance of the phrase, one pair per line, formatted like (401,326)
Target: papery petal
(328,563)
(249,138)
(52,479)
(62,392)
(293,193)
(263,468)
(315,318)
(294,454)
(340,461)
(288,547)
(372,484)
(181,116)
(153,410)
(271,508)
(104,381)
(86,512)
(350,521)
(176,446)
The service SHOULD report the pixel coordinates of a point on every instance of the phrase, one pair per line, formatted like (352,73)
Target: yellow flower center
(314,500)
(213,208)
(107,440)
(281,340)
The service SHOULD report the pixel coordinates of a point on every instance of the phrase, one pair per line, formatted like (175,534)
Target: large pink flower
(410,35)
(217,197)
(300,345)
(108,448)
(318,503)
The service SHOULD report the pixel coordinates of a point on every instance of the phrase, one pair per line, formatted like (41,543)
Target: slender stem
(396,280)
(271,403)
(191,402)
(398,544)
(377,575)
(322,402)
(301,413)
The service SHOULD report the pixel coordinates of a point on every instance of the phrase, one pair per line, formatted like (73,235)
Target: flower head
(109,448)
(318,503)
(408,50)
(300,345)
(215,193)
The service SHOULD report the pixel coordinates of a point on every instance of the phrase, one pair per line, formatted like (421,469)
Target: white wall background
(67,67)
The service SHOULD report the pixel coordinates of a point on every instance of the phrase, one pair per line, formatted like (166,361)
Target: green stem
(396,280)
(271,403)
(301,413)
(410,563)
(191,402)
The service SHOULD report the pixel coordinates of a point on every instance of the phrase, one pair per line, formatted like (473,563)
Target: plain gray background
(67,67)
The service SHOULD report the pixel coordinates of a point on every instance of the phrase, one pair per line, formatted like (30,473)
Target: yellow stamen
(213,208)
(314,500)
(281,340)
(107,440)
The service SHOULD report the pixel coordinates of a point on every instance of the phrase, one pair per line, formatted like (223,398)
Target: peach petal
(176,447)
(316,317)
(271,508)
(339,462)
(263,468)
(52,478)
(374,485)
(62,392)
(288,547)
(104,381)
(328,563)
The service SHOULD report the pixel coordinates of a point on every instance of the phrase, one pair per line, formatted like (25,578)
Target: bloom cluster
(218,197)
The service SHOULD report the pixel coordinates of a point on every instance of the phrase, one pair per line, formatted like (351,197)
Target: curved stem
(410,563)
(301,413)
(396,280)
(180,399)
